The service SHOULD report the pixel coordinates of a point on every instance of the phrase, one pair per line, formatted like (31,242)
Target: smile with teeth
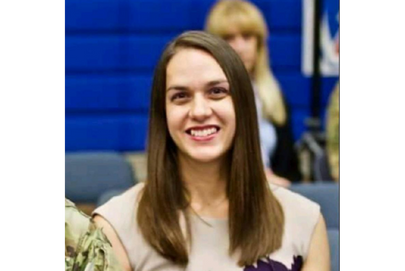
(204,132)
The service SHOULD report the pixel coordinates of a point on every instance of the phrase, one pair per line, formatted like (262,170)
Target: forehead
(237,23)
(193,66)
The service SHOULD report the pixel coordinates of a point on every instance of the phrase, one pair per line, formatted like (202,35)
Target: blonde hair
(247,18)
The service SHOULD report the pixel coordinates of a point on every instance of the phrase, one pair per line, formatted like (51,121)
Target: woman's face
(245,45)
(199,109)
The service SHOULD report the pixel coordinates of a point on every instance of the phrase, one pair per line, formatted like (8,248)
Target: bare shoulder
(318,255)
(115,241)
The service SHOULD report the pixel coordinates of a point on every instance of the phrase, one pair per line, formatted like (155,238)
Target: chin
(206,156)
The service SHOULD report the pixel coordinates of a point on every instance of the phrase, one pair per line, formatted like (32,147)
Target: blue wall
(112,47)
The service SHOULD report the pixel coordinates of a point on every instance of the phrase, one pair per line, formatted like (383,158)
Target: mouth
(203,132)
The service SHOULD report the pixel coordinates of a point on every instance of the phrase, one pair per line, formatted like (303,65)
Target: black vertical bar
(316,76)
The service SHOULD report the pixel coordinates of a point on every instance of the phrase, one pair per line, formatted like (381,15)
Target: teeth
(204,132)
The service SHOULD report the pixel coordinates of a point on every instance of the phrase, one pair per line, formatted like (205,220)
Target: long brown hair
(256,219)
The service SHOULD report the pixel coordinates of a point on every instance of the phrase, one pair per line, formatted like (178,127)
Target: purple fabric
(276,266)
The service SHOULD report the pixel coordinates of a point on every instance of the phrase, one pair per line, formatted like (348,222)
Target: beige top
(209,249)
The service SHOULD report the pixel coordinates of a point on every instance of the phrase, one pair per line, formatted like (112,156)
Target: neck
(206,185)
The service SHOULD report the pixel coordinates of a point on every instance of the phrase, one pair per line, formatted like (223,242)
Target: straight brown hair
(256,219)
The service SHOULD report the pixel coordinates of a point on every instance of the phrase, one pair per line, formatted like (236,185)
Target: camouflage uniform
(86,247)
(332,133)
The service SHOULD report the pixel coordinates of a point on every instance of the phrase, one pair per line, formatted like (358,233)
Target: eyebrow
(209,84)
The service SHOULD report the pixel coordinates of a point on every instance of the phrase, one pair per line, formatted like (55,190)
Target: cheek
(174,118)
(227,111)
(252,47)
(253,52)
(170,119)
(232,118)
(239,51)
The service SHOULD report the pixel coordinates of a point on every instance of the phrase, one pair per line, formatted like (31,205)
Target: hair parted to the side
(256,219)
(247,18)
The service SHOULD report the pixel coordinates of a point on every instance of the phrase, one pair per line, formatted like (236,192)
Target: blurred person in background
(332,133)
(332,126)
(243,26)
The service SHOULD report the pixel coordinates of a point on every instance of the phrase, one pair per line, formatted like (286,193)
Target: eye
(228,37)
(218,92)
(179,96)
(247,36)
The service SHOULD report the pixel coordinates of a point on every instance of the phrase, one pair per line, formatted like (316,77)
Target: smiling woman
(199,107)
(206,204)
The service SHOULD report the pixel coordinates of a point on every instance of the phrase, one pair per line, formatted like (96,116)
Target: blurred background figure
(332,133)
(243,26)
(332,126)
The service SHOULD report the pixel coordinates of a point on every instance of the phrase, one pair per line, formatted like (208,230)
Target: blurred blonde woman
(243,26)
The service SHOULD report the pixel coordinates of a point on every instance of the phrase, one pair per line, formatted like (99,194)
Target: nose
(238,43)
(200,108)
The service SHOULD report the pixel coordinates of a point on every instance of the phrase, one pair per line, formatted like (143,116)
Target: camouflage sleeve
(86,246)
